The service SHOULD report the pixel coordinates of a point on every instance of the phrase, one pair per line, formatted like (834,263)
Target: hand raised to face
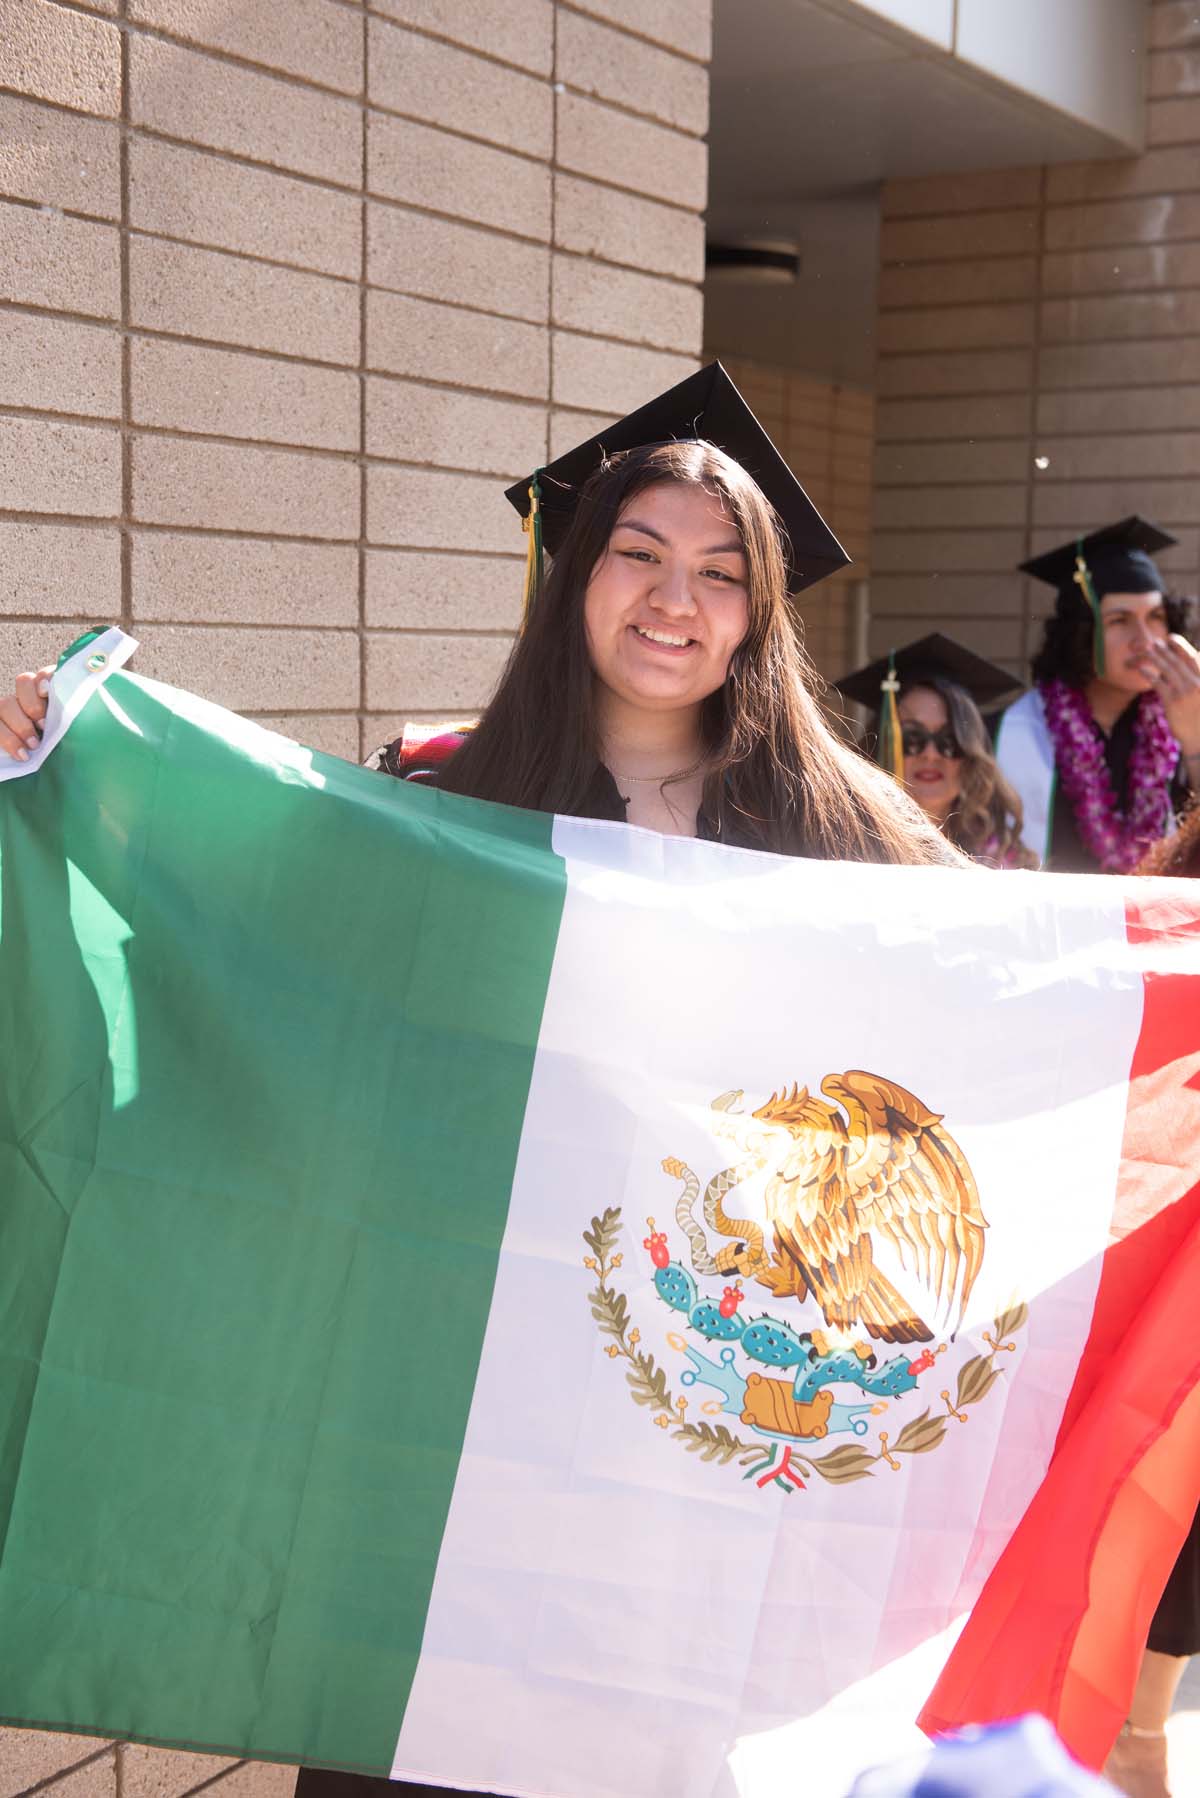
(1175,671)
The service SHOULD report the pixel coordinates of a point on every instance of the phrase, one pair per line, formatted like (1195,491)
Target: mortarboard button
(930,658)
(1118,558)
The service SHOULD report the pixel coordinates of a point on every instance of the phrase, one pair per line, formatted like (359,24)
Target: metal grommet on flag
(84,665)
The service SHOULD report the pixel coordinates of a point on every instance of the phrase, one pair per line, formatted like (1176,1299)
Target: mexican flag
(530,1305)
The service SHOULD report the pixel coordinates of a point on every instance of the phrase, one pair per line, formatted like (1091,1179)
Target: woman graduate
(937,745)
(1104,749)
(659,678)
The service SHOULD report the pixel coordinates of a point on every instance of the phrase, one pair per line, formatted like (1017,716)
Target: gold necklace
(642,780)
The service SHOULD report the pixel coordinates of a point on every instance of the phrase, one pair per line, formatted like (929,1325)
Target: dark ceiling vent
(774,264)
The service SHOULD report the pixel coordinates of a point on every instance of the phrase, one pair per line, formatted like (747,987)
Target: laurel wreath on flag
(649,1386)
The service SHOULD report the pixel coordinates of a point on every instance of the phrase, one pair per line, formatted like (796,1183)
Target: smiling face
(667,603)
(933,778)
(1132,621)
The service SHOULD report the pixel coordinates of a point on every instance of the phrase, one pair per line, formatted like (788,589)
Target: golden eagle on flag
(886,1166)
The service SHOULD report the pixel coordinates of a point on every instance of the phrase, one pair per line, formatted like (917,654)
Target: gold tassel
(1083,580)
(889,751)
(532,526)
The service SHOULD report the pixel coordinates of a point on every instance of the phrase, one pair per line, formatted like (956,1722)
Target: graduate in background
(937,744)
(1106,747)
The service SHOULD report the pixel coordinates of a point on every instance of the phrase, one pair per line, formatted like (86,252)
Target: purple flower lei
(1114,840)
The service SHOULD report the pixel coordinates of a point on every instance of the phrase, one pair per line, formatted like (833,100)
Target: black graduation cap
(1118,558)
(1115,559)
(706,406)
(930,658)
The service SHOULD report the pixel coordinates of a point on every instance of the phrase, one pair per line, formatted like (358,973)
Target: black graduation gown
(1176,1625)
(604,801)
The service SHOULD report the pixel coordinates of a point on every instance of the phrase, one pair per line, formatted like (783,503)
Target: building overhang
(816,97)
(816,103)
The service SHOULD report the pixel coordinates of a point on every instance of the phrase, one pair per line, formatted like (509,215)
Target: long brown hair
(778,779)
(988,815)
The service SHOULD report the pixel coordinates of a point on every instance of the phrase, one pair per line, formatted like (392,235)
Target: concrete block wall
(825,432)
(289,294)
(62,1766)
(1039,369)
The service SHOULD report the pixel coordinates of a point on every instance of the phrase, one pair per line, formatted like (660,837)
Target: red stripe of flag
(1060,1624)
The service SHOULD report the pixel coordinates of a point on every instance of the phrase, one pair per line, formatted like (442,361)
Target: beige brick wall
(1038,314)
(289,293)
(33,1761)
(825,432)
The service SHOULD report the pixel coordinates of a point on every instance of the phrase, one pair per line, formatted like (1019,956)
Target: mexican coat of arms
(866,1169)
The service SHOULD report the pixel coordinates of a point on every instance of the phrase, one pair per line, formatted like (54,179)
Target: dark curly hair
(1067,643)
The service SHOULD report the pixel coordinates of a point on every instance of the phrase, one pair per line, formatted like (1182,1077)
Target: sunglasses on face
(915,738)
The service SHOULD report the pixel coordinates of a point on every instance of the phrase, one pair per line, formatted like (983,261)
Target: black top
(604,798)
(1067,853)
(318,1782)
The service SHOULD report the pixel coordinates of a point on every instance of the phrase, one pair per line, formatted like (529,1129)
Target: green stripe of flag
(246,1255)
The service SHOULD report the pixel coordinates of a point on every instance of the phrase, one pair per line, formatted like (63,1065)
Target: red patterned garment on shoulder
(421,751)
